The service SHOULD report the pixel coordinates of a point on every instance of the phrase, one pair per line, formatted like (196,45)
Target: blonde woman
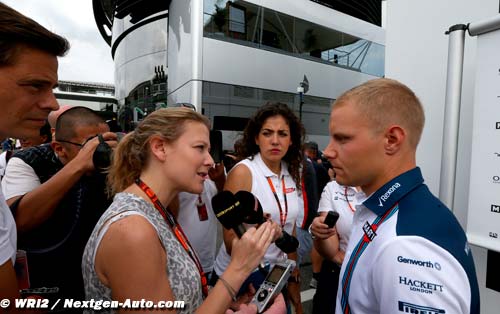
(137,250)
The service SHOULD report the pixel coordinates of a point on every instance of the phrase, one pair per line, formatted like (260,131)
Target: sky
(89,59)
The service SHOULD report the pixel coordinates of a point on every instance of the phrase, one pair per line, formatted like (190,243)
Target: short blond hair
(385,102)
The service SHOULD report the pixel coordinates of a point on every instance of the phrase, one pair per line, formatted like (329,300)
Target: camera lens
(102,155)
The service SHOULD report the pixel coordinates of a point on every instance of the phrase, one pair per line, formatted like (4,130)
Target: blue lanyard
(357,252)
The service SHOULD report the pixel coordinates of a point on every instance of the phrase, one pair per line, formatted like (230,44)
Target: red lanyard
(282,217)
(176,228)
(348,203)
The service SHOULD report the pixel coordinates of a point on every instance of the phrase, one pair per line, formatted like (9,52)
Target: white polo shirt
(416,261)
(8,235)
(202,234)
(341,199)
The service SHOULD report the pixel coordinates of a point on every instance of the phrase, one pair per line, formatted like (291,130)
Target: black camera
(102,154)
(287,243)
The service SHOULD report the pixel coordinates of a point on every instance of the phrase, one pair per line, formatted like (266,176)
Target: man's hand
(84,157)
(278,231)
(218,175)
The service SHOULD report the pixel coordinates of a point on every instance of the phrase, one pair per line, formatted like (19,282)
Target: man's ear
(58,149)
(159,148)
(395,136)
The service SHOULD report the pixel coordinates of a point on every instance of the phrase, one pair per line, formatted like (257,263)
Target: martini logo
(369,231)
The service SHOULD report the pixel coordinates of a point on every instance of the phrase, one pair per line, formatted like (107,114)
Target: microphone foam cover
(226,209)
(251,209)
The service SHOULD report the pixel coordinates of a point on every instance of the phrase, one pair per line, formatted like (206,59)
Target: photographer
(56,198)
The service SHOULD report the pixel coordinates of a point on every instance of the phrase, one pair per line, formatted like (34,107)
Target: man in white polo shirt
(407,252)
(28,73)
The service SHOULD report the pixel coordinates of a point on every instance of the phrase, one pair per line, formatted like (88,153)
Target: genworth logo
(411,261)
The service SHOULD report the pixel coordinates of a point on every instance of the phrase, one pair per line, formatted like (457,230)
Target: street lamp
(302,89)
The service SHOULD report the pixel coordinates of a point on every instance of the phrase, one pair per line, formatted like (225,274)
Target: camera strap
(356,254)
(177,230)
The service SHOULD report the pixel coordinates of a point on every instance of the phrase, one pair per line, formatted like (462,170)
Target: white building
(229,57)
(228,60)
(96,96)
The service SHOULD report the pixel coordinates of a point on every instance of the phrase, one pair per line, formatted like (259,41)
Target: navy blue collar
(394,190)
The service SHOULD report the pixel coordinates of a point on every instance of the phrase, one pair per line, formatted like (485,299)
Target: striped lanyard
(176,228)
(282,216)
(356,254)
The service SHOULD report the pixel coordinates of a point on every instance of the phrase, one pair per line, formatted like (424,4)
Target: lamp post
(302,89)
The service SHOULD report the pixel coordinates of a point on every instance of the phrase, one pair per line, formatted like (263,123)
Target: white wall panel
(416,54)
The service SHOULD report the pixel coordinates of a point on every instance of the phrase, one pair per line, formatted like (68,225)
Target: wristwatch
(309,230)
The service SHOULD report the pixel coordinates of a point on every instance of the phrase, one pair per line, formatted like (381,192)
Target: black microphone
(252,213)
(226,209)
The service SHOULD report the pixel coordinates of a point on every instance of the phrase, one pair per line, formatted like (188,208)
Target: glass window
(374,63)
(218,100)
(215,16)
(278,31)
(256,26)
(237,19)
(243,92)
(316,41)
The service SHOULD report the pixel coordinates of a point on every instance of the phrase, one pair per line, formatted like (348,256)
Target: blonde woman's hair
(132,153)
(384,102)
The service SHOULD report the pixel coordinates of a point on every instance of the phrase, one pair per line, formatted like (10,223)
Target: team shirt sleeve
(414,275)
(326,201)
(8,237)
(19,179)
